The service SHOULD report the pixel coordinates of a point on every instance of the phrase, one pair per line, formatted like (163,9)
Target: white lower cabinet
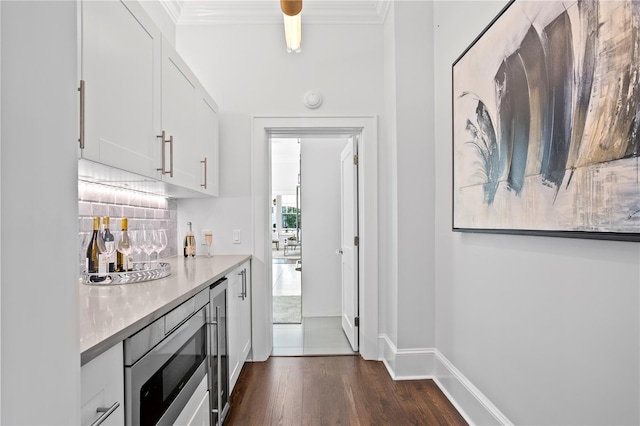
(196,412)
(102,388)
(239,320)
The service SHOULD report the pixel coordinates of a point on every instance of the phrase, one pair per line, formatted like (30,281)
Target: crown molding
(199,12)
(173,8)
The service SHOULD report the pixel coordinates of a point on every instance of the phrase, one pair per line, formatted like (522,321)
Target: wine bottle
(122,260)
(93,253)
(189,242)
(110,245)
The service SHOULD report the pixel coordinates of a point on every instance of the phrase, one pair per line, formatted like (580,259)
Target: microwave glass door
(157,394)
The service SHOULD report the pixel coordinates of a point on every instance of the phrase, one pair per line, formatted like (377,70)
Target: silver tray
(138,275)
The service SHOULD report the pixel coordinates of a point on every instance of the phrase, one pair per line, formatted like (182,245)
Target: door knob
(339,251)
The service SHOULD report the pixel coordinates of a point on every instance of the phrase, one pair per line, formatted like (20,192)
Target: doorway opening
(308,262)
(263,128)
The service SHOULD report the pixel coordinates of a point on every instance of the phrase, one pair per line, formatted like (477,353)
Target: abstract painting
(546,122)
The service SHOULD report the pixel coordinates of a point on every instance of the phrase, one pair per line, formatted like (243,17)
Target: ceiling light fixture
(292,11)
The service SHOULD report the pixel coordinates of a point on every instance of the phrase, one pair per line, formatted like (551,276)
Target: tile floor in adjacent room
(315,335)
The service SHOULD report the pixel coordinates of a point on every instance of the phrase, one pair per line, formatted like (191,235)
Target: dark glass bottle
(93,253)
(109,243)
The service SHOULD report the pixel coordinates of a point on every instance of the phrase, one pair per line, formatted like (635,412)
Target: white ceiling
(194,12)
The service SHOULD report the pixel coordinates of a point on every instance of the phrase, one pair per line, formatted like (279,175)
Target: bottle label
(111,248)
(102,264)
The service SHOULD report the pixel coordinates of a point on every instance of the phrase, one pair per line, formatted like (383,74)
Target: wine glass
(208,239)
(162,243)
(124,247)
(106,249)
(148,244)
(134,239)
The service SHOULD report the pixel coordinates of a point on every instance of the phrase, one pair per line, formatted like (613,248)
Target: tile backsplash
(139,208)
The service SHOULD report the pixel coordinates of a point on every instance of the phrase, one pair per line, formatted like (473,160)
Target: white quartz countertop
(109,314)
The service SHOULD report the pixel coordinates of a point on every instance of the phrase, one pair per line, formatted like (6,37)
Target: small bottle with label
(189,242)
(110,246)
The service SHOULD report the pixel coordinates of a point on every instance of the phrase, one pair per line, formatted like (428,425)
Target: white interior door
(349,226)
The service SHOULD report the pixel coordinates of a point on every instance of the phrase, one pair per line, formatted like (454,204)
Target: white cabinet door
(207,142)
(245,315)
(102,387)
(120,67)
(234,296)
(179,90)
(239,320)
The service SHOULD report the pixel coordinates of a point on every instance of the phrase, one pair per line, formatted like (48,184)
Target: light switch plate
(236,236)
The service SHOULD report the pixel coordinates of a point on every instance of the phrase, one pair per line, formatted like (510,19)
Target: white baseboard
(406,364)
(429,363)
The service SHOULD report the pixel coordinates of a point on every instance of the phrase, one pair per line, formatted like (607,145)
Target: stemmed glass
(134,239)
(125,247)
(161,242)
(208,239)
(149,244)
(106,249)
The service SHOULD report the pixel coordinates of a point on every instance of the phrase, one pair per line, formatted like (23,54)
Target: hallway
(344,390)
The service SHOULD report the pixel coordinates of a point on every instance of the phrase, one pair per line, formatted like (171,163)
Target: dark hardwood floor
(334,390)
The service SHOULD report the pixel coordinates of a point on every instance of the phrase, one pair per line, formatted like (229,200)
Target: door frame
(263,128)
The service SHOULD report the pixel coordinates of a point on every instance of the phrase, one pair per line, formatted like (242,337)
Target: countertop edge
(96,350)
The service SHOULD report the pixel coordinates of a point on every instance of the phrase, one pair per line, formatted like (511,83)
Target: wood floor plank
(336,390)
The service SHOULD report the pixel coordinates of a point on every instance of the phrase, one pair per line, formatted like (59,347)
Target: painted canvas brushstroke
(546,122)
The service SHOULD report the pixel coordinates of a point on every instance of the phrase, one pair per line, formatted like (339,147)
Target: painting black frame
(600,232)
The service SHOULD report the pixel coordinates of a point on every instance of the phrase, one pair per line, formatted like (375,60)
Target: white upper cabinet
(207,139)
(120,67)
(179,91)
(136,89)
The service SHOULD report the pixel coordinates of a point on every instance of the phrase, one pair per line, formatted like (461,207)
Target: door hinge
(357,321)
(356,241)
(355,159)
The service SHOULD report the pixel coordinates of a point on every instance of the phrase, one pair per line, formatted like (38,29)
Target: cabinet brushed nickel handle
(165,141)
(81,89)
(106,412)
(171,155)
(204,185)
(162,142)
(243,292)
(244,284)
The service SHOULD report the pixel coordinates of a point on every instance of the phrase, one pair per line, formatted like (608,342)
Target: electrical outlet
(236,236)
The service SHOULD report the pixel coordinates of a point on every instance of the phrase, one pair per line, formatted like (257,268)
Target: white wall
(320,189)
(410,289)
(546,328)
(40,343)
